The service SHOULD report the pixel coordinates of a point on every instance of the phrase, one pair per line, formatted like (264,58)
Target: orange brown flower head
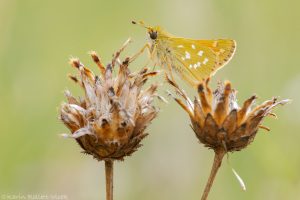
(218,121)
(109,121)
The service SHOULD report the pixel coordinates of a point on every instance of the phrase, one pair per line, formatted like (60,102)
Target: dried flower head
(110,120)
(218,121)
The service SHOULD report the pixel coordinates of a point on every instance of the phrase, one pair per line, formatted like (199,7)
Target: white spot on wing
(198,64)
(187,55)
(190,66)
(205,61)
(180,46)
(195,66)
(193,46)
(182,58)
(200,53)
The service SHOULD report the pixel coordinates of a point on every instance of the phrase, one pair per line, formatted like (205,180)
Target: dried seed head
(110,120)
(217,120)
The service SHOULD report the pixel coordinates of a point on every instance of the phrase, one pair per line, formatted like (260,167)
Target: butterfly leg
(146,46)
(170,72)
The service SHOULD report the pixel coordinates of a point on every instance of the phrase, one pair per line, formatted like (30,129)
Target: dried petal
(198,113)
(244,110)
(204,102)
(222,108)
(210,130)
(230,123)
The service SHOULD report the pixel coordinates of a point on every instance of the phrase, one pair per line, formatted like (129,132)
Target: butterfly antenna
(141,23)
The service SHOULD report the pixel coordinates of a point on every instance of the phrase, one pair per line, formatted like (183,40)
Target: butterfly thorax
(160,45)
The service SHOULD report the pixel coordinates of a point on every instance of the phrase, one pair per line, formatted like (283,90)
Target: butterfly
(193,60)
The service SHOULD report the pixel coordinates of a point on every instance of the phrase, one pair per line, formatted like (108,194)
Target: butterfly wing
(224,50)
(195,60)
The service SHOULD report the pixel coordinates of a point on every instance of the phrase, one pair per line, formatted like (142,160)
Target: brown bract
(110,120)
(218,121)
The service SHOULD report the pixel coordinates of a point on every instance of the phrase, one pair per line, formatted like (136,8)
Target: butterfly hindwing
(199,59)
(223,49)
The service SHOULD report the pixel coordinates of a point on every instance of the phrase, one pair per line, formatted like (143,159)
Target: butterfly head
(154,32)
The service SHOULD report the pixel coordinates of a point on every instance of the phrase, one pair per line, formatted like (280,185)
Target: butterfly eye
(153,35)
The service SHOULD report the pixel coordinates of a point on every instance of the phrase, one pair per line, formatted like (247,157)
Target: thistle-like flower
(109,122)
(220,124)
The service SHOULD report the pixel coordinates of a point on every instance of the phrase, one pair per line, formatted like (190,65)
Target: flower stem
(109,169)
(219,154)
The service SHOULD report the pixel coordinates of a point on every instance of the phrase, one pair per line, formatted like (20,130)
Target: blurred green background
(37,38)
